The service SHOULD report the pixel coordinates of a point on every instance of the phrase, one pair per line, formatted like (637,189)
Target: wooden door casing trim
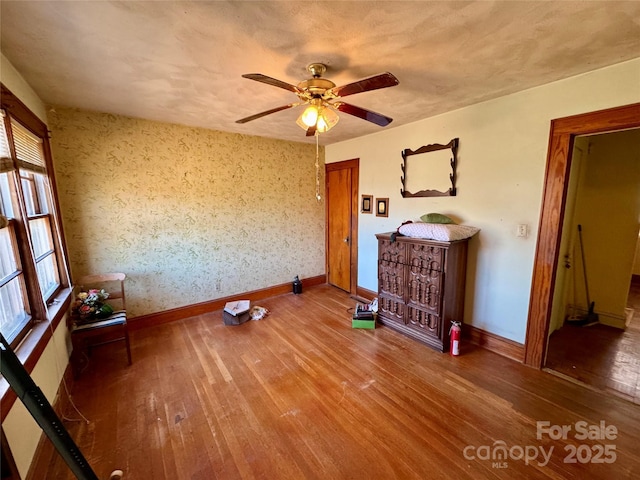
(561,138)
(354,166)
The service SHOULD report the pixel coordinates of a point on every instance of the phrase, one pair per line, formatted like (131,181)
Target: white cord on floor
(64,417)
(64,382)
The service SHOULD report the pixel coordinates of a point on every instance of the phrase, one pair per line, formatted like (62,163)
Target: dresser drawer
(391,279)
(391,309)
(424,289)
(426,258)
(423,321)
(389,251)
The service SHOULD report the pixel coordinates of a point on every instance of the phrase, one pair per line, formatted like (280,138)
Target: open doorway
(597,249)
(561,139)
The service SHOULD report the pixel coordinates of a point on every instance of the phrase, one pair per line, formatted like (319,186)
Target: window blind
(28,149)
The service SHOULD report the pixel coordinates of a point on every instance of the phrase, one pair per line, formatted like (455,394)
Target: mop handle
(584,267)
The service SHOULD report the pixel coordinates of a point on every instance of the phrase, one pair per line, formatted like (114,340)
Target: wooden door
(342,217)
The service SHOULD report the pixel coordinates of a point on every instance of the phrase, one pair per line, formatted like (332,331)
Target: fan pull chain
(318,197)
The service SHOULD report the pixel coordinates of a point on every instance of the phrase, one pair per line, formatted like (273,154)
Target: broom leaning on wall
(590,318)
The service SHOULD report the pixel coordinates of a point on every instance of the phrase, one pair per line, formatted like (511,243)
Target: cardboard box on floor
(236,313)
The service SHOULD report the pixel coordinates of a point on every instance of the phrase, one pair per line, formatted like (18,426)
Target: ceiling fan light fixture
(320,116)
(327,120)
(308,118)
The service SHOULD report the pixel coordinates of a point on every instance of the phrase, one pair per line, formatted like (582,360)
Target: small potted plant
(92,305)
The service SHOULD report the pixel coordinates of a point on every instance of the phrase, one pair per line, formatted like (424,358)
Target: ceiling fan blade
(382,80)
(311,131)
(363,113)
(258,77)
(268,112)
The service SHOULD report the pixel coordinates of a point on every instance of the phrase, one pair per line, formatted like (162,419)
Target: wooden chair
(88,334)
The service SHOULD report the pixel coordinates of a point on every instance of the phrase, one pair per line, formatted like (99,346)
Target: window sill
(31,348)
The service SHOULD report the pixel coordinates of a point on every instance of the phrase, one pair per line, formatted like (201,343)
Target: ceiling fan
(324,98)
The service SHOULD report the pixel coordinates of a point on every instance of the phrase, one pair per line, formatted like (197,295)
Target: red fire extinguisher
(455,332)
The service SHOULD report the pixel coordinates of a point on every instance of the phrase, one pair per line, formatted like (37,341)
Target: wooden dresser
(421,286)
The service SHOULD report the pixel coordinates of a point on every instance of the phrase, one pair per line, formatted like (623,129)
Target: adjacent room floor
(302,395)
(603,357)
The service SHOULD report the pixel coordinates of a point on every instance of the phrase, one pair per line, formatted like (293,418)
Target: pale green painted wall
(502,158)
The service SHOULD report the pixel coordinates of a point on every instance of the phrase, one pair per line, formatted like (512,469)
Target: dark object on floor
(365,315)
(236,312)
(235,319)
(297,285)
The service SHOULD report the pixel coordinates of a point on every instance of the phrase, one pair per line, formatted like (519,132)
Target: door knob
(346,240)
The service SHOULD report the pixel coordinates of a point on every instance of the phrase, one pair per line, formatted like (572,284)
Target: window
(32,264)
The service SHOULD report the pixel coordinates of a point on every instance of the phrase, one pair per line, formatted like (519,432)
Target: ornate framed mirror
(433,164)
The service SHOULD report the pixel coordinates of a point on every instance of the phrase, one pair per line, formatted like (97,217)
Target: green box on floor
(369,323)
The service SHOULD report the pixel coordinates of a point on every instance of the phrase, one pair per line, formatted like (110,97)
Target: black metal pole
(42,412)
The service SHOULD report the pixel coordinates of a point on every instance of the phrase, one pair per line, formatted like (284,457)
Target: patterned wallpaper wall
(189,214)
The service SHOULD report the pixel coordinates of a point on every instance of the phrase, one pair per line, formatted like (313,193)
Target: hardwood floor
(302,395)
(604,357)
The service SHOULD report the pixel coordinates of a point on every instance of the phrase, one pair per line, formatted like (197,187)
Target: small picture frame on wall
(382,207)
(367,204)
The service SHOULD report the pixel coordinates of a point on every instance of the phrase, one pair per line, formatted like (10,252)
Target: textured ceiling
(182,62)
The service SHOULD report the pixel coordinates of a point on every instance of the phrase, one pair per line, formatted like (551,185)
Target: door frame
(561,138)
(354,166)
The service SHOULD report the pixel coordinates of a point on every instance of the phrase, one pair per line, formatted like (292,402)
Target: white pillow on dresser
(444,232)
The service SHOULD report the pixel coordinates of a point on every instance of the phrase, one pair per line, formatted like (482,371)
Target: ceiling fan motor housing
(316,85)
(317,69)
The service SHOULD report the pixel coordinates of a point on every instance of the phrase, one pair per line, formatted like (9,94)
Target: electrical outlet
(218,284)
(522,231)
